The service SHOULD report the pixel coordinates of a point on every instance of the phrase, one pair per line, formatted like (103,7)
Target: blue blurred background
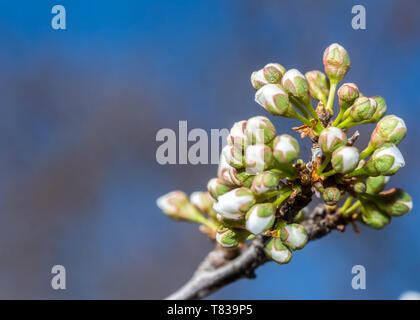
(80,109)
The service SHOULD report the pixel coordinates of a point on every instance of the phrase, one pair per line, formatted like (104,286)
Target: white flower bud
(234,204)
(345,159)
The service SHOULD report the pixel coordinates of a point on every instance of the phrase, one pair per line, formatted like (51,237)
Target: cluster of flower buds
(377,209)
(260,171)
(287,238)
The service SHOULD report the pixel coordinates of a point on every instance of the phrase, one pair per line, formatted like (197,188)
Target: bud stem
(301,108)
(352,209)
(311,110)
(287,170)
(331,94)
(269,195)
(346,204)
(329,173)
(283,197)
(357,172)
(324,164)
(338,119)
(198,218)
(347,123)
(367,152)
(299,117)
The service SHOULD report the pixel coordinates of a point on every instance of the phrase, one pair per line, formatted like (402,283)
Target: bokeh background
(80,110)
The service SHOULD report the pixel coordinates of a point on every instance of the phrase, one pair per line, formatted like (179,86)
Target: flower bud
(172,203)
(380,109)
(363,109)
(260,218)
(390,129)
(373,217)
(265,182)
(223,168)
(258,158)
(234,204)
(395,202)
(237,136)
(233,156)
(277,251)
(345,159)
(202,201)
(318,85)
(285,149)
(217,187)
(241,177)
(230,238)
(176,205)
(330,139)
(260,130)
(347,93)
(386,161)
(271,73)
(331,195)
(295,83)
(374,185)
(275,101)
(294,236)
(359,187)
(336,62)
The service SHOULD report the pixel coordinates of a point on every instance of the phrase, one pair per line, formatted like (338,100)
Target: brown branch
(222,267)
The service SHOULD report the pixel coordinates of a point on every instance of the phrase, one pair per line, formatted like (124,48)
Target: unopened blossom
(234,157)
(234,204)
(260,218)
(294,236)
(275,100)
(381,109)
(241,177)
(237,136)
(390,129)
(336,62)
(285,149)
(331,138)
(260,130)
(347,94)
(271,73)
(277,251)
(374,185)
(295,83)
(258,158)
(331,195)
(203,201)
(395,202)
(217,187)
(387,160)
(345,159)
(374,217)
(230,238)
(265,182)
(173,203)
(363,109)
(318,84)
